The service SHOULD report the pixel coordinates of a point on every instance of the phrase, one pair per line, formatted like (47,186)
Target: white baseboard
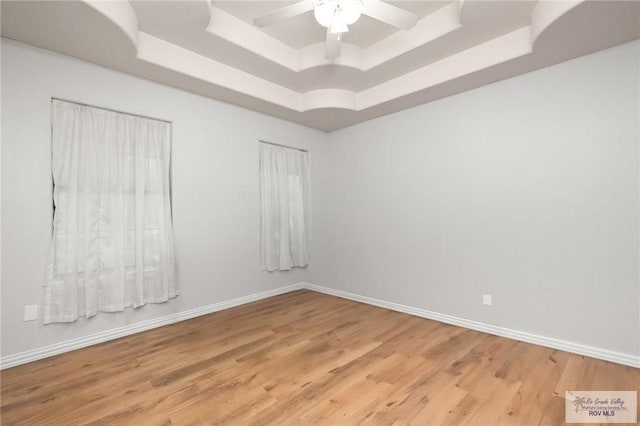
(577,348)
(82,342)
(115,333)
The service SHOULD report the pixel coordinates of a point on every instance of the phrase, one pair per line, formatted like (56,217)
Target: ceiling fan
(336,15)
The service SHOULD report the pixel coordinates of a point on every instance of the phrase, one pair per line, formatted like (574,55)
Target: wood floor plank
(305,358)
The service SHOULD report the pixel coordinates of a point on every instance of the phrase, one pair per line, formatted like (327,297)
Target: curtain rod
(283,146)
(53,98)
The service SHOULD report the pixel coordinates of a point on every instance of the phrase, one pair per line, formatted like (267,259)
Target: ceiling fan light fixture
(338,26)
(351,10)
(337,14)
(323,11)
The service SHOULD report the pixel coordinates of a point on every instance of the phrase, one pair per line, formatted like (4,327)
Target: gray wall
(526,189)
(215,187)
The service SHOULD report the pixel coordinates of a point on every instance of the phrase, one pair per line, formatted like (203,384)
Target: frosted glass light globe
(324,11)
(338,25)
(337,14)
(350,10)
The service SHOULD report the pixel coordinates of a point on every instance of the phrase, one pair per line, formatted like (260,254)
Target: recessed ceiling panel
(303,30)
(214,49)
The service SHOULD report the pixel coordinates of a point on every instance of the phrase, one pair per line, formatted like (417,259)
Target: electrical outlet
(31,312)
(487,299)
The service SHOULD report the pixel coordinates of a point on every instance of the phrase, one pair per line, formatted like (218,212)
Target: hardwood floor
(305,358)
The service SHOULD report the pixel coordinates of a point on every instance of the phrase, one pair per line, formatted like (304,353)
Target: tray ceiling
(213,48)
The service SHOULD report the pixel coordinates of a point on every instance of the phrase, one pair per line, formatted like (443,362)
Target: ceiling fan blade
(332,47)
(389,14)
(290,11)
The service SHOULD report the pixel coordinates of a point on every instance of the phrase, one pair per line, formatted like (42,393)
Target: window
(284,207)
(112,243)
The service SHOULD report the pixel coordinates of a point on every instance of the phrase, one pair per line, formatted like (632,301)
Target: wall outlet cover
(31,312)
(487,299)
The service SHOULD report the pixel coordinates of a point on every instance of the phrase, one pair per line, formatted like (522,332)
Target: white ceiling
(303,30)
(212,48)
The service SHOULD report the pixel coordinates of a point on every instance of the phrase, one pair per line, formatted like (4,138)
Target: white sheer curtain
(284,207)
(112,244)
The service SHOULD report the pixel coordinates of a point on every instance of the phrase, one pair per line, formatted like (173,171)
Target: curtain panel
(284,208)
(112,242)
